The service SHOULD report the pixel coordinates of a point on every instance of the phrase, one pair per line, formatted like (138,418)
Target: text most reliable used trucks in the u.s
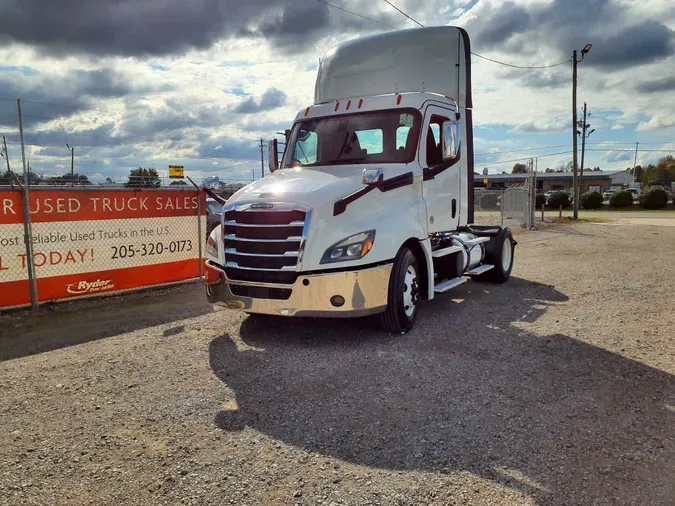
(371,208)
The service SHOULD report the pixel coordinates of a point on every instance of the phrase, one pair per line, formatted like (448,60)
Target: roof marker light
(398,100)
(306,111)
(349,103)
(360,103)
(337,105)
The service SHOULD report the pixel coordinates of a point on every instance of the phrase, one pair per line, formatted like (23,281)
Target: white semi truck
(371,208)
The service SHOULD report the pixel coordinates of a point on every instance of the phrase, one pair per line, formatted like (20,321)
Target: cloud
(560,25)
(271,99)
(657,121)
(160,27)
(48,97)
(617,126)
(617,156)
(538,126)
(538,79)
(657,85)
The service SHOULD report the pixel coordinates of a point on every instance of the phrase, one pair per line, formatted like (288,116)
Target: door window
(434,148)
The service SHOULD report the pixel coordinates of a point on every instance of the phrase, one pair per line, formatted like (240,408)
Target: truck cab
(370,209)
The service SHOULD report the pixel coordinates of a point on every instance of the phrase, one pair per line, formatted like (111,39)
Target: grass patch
(569,219)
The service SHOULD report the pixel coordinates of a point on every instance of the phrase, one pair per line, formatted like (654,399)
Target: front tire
(404,293)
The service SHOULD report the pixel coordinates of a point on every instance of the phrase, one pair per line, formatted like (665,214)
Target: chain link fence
(512,206)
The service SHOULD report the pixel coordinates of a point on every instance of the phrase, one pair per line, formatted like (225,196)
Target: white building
(623,178)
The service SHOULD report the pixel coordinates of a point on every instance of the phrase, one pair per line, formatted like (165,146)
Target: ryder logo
(83,287)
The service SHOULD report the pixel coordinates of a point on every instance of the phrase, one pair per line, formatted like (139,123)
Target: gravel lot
(555,388)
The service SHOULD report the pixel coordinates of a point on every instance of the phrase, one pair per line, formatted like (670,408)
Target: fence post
(542,212)
(560,211)
(27,231)
(199,232)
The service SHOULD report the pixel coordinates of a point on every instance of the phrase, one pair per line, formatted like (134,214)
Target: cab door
(441,183)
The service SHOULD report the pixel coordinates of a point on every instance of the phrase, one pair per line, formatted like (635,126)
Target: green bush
(655,198)
(558,199)
(591,200)
(541,201)
(621,199)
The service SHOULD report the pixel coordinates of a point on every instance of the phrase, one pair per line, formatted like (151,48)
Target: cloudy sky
(197,82)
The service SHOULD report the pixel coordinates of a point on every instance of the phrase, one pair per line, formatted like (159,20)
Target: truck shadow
(558,419)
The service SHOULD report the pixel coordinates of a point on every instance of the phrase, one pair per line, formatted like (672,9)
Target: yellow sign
(176,171)
(485,180)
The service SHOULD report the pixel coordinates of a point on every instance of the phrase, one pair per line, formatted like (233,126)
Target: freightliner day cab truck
(371,208)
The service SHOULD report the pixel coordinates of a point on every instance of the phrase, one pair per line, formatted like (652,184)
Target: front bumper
(364,292)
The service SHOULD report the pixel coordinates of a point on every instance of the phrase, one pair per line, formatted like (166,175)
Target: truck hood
(312,187)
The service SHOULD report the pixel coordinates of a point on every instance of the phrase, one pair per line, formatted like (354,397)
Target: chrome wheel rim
(410,291)
(507,250)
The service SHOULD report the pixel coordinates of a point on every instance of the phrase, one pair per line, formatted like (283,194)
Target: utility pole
(584,135)
(634,161)
(262,157)
(72,165)
(583,151)
(584,52)
(6,156)
(574,135)
(27,232)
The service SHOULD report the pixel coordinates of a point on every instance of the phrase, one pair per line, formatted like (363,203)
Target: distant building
(551,181)
(623,178)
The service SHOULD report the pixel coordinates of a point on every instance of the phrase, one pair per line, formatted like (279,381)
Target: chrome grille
(263,245)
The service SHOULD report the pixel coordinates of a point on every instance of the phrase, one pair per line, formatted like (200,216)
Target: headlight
(351,248)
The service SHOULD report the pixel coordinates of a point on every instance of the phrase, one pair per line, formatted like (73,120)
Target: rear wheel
(404,294)
(501,255)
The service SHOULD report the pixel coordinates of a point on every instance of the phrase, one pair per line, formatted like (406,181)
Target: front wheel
(404,294)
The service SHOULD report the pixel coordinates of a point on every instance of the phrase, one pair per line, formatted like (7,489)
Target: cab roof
(423,60)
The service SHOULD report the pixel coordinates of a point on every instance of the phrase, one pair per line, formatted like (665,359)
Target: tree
(68,178)
(178,182)
(108,180)
(143,178)
(570,166)
(519,168)
(637,173)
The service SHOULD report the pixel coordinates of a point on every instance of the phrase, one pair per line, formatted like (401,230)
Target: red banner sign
(92,242)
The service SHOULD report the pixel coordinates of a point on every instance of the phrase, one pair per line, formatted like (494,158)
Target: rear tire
(501,255)
(403,295)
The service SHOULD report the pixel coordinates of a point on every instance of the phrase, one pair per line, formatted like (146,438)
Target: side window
(436,129)
(402,133)
(371,140)
(305,147)
(434,154)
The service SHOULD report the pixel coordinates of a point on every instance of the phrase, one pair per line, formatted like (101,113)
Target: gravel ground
(555,388)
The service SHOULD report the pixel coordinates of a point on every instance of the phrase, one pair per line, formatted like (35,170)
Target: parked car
(608,194)
(636,194)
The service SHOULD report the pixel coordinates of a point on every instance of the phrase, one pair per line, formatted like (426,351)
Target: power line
(409,17)
(358,15)
(633,151)
(528,157)
(490,59)
(524,149)
(521,66)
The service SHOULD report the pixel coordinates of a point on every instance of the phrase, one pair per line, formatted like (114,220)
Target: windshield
(376,137)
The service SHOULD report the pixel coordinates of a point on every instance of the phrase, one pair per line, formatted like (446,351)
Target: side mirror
(450,139)
(273,154)
(372,176)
